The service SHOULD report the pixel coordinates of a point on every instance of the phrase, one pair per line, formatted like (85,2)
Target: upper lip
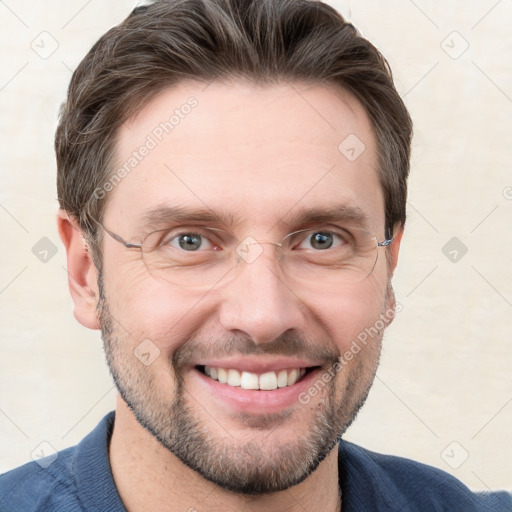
(258,365)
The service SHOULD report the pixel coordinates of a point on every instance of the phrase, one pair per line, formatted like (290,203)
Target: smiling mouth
(267,381)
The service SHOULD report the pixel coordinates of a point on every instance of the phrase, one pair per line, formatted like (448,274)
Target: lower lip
(254,401)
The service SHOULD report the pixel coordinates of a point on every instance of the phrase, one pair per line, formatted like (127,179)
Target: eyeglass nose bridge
(258,242)
(250,254)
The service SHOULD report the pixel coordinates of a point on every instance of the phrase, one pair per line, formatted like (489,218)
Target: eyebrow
(171,214)
(163,214)
(336,213)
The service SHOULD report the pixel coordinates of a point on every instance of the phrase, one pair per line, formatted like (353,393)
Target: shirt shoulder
(72,480)
(394,483)
(45,485)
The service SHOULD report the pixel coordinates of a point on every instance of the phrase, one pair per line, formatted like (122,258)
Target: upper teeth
(249,380)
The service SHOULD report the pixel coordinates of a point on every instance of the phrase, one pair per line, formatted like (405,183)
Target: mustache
(288,344)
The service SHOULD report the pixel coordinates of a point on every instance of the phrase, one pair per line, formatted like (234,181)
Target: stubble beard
(251,467)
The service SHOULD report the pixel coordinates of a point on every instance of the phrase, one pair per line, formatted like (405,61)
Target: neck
(150,478)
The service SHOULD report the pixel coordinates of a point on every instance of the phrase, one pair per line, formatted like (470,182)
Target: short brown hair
(263,41)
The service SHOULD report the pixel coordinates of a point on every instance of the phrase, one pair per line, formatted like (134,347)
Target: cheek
(352,312)
(147,308)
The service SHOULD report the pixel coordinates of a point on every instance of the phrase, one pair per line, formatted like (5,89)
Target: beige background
(446,369)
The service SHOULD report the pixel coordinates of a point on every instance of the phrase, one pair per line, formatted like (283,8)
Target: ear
(394,249)
(392,260)
(82,273)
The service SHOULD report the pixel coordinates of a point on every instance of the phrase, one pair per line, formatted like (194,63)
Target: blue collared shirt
(80,479)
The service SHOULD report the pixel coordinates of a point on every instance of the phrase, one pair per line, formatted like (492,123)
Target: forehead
(257,154)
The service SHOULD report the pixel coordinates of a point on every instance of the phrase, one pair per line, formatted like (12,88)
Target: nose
(260,303)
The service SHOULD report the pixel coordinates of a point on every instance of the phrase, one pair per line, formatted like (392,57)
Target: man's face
(258,156)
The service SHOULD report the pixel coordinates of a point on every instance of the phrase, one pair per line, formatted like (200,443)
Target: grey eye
(321,240)
(189,241)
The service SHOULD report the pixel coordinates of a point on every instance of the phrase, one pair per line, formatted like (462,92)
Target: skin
(258,153)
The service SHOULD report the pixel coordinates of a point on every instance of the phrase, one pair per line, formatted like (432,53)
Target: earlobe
(82,273)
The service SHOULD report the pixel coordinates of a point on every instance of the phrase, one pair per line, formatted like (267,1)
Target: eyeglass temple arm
(117,238)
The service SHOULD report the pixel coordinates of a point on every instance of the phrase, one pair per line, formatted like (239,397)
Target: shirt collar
(94,480)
